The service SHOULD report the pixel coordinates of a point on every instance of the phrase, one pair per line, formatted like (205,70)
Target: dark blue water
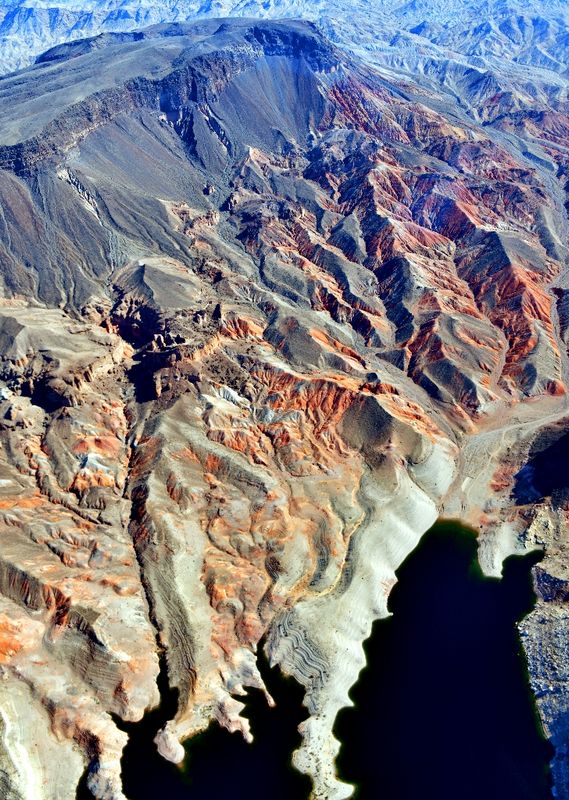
(220,764)
(545,474)
(443,710)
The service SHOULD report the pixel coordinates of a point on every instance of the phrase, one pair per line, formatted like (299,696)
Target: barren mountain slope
(264,314)
(526,33)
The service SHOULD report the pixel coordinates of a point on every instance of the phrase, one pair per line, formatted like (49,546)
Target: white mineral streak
(246,441)
(36,766)
(320,641)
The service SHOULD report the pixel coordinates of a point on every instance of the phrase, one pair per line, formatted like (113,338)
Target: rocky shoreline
(265,316)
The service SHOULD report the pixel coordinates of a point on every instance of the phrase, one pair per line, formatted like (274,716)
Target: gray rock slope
(265,311)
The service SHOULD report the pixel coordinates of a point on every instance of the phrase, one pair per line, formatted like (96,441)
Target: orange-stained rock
(249,355)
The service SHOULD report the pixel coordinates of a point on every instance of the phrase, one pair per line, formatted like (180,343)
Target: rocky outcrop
(272,315)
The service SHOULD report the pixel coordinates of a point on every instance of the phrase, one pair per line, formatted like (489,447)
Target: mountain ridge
(267,311)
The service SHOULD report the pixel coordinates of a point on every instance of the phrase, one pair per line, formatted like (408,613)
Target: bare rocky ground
(266,313)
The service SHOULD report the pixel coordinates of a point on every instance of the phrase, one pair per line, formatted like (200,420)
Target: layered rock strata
(265,315)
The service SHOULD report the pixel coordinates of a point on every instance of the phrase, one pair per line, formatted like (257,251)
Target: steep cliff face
(264,314)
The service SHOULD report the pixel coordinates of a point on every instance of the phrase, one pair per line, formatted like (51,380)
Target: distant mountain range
(490,58)
(525,33)
(274,295)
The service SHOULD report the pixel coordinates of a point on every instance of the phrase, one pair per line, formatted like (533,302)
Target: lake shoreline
(407,738)
(446,553)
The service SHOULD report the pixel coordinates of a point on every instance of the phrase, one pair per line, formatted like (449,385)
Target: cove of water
(220,764)
(443,709)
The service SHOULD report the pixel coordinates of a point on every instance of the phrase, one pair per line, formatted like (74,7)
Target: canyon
(269,307)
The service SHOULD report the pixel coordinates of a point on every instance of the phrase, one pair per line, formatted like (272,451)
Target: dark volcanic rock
(264,313)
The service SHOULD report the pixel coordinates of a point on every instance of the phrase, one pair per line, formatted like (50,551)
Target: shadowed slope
(255,297)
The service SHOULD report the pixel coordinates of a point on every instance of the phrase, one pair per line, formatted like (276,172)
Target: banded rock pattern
(264,314)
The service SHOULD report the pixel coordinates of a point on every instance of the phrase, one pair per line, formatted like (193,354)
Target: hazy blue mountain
(274,295)
(524,33)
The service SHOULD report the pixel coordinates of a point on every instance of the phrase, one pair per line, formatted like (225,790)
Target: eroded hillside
(265,314)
